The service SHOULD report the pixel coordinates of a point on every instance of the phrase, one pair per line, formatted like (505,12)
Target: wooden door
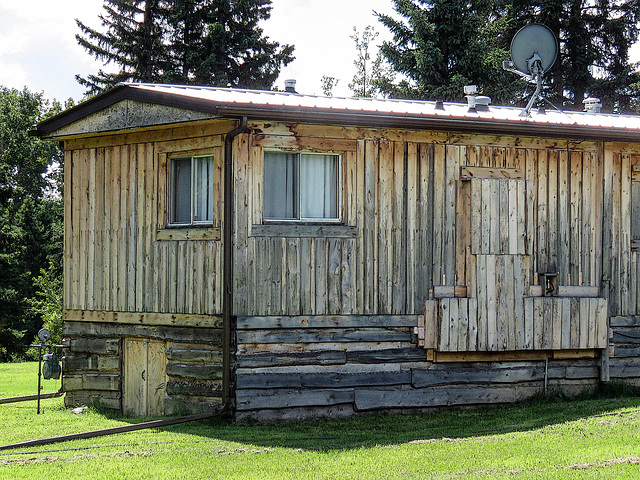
(144,377)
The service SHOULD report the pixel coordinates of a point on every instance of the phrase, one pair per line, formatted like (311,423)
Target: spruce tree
(440,46)
(220,43)
(133,40)
(201,42)
(446,44)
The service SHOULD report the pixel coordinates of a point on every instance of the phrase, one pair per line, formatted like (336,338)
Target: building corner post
(227,246)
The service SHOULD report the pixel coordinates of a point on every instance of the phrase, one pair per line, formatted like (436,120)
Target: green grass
(591,438)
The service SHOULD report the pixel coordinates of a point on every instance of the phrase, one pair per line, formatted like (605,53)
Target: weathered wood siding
(118,254)
(302,367)
(418,208)
(130,281)
(464,224)
(621,264)
(183,371)
(424,210)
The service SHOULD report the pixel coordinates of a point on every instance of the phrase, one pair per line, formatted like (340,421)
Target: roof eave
(422,122)
(319,115)
(113,96)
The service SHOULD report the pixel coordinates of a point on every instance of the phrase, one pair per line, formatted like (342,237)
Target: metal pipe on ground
(25,398)
(111,431)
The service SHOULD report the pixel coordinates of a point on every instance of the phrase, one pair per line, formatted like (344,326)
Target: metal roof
(293,107)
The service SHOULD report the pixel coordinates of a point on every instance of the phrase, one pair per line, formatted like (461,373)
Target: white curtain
(280,186)
(203,189)
(318,186)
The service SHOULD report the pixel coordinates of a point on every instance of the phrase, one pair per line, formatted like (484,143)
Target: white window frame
(173,193)
(339,191)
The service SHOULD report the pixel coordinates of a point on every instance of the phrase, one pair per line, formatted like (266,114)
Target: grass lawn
(594,438)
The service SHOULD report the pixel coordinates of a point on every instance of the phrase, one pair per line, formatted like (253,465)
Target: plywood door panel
(156,378)
(144,377)
(135,389)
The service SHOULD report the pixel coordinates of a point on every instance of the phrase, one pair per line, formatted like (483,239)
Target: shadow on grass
(381,429)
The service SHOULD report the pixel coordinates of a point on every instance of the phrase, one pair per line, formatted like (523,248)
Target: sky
(38,49)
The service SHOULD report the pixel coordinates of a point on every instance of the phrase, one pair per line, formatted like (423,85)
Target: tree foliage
(595,38)
(441,45)
(370,74)
(30,215)
(202,42)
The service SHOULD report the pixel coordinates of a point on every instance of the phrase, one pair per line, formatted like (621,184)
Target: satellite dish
(531,44)
(534,50)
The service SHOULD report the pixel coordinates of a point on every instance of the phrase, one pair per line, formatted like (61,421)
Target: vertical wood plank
(414,299)
(140,206)
(107,234)
(475,212)
(438,214)
(615,276)
(81,211)
(625,235)
(321,276)
(576,250)
(385,230)
(132,229)
(552,206)
(157,377)
(91,301)
(99,290)
(445,323)
(482,296)
(542,214)
(361,267)
(492,306)
(371,222)
(473,324)
(399,226)
(70,257)
(564,219)
(347,277)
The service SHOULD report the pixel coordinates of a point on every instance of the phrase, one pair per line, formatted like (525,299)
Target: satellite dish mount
(534,49)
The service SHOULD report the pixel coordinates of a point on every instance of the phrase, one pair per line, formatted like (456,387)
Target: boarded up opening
(145,365)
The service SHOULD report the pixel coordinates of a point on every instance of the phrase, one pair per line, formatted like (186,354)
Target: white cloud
(38,46)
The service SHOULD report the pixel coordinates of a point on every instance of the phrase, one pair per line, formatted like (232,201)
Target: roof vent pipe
(290,86)
(482,103)
(592,105)
(470,92)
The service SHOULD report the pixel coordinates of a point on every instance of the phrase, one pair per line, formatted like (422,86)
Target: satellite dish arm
(535,66)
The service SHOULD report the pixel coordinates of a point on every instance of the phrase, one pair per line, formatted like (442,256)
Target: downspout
(227,251)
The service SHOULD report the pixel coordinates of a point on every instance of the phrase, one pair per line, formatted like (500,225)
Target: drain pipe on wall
(227,251)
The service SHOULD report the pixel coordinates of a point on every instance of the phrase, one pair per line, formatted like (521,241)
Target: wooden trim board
(143,318)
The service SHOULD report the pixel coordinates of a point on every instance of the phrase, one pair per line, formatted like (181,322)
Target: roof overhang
(278,106)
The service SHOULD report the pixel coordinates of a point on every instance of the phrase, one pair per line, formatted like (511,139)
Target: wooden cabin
(279,256)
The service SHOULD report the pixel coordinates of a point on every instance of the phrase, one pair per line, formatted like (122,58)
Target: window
(191,191)
(301,186)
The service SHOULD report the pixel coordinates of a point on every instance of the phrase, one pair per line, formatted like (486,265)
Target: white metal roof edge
(421,108)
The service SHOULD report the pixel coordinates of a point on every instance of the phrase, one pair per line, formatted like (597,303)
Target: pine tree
(445,44)
(203,42)
(219,43)
(440,47)
(594,38)
(133,41)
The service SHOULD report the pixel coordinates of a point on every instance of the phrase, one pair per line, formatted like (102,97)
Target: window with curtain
(301,186)
(191,191)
